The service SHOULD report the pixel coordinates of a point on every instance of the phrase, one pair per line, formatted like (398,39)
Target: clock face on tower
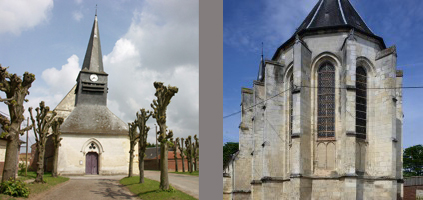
(94,77)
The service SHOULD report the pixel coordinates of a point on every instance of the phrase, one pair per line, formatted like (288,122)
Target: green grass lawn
(196,173)
(38,188)
(150,189)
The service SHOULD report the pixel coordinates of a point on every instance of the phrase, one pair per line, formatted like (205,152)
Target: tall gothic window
(361,102)
(326,101)
(291,101)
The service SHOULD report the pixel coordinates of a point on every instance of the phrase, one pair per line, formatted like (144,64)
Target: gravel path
(185,183)
(88,187)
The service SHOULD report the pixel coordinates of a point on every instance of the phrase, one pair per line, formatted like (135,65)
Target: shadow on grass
(106,190)
(147,192)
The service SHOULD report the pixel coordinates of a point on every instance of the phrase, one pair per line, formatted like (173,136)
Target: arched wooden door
(91,163)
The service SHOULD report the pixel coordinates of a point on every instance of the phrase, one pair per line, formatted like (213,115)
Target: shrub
(14,188)
(22,167)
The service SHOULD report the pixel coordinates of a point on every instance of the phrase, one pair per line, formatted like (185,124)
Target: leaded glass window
(361,102)
(291,101)
(326,101)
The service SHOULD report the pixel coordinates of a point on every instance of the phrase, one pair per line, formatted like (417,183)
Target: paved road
(186,183)
(88,187)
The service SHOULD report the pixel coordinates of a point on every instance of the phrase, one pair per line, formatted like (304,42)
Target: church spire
(260,76)
(93,61)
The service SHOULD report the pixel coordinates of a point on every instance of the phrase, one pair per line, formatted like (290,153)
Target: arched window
(326,101)
(361,102)
(291,101)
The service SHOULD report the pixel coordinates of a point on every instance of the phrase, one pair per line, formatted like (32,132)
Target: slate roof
(332,15)
(93,61)
(93,119)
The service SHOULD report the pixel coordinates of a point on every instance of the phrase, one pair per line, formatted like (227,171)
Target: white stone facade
(277,161)
(113,154)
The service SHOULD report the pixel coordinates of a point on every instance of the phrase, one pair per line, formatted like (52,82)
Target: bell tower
(92,80)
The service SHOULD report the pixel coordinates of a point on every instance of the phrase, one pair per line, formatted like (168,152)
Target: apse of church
(323,120)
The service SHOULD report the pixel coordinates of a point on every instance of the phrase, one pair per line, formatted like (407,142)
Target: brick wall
(410,192)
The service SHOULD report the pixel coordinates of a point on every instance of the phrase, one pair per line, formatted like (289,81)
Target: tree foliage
(16,89)
(229,149)
(159,105)
(413,161)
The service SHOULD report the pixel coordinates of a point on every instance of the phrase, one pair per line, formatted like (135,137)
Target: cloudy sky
(251,22)
(142,42)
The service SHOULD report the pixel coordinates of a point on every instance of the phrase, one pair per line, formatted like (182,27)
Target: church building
(95,141)
(324,118)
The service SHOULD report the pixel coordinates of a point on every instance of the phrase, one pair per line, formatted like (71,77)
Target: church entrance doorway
(91,163)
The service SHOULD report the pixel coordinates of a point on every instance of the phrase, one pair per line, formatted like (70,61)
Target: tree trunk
(56,158)
(176,161)
(190,164)
(164,179)
(131,160)
(141,166)
(11,158)
(40,169)
(183,164)
(195,163)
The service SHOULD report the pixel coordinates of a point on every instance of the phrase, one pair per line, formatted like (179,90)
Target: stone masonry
(281,155)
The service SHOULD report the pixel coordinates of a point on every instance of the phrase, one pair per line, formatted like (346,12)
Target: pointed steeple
(93,60)
(260,76)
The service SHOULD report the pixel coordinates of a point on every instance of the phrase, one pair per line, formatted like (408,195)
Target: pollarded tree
(57,122)
(188,147)
(175,153)
(44,121)
(196,147)
(133,137)
(181,149)
(163,94)
(16,89)
(141,122)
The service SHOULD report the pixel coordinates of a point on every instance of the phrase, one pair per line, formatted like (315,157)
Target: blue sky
(141,41)
(247,24)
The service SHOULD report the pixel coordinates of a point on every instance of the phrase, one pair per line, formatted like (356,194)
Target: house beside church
(324,118)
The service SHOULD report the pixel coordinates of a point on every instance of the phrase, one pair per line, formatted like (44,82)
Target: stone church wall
(112,160)
(304,167)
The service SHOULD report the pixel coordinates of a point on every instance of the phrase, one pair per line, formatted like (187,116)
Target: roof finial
(262,49)
(95,9)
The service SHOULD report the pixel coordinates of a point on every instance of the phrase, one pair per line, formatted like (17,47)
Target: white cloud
(78,1)
(160,45)
(19,15)
(77,15)
(61,81)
